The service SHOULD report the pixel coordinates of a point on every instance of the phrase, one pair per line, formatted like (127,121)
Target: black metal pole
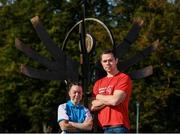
(85,58)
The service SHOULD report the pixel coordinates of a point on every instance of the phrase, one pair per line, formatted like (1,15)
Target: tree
(32,103)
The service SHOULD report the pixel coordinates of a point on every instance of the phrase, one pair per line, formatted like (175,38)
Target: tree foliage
(30,105)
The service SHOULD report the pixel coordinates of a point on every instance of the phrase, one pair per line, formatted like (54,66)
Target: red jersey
(114,115)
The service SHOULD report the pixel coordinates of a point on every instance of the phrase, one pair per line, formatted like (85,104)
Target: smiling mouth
(108,67)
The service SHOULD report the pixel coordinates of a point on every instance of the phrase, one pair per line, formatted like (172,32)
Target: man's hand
(85,126)
(66,126)
(97,105)
(112,100)
(76,127)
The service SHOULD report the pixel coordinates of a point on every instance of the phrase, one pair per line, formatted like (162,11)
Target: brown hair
(108,51)
(74,83)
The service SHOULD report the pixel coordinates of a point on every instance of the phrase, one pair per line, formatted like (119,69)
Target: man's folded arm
(112,100)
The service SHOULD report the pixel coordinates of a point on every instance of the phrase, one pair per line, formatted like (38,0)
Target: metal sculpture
(64,68)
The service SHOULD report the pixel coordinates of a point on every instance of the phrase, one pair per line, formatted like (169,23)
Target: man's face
(75,94)
(109,62)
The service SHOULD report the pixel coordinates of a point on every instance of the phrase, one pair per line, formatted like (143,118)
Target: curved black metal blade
(45,75)
(140,56)
(47,41)
(63,68)
(51,65)
(129,39)
(142,73)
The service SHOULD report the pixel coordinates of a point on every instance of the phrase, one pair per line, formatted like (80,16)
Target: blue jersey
(74,113)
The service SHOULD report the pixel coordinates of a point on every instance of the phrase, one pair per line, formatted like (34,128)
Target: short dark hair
(74,83)
(108,51)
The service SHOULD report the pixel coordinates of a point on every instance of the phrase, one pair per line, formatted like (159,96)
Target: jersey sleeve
(124,83)
(62,115)
(95,89)
(87,114)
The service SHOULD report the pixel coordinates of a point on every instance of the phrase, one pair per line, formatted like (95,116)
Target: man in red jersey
(111,95)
